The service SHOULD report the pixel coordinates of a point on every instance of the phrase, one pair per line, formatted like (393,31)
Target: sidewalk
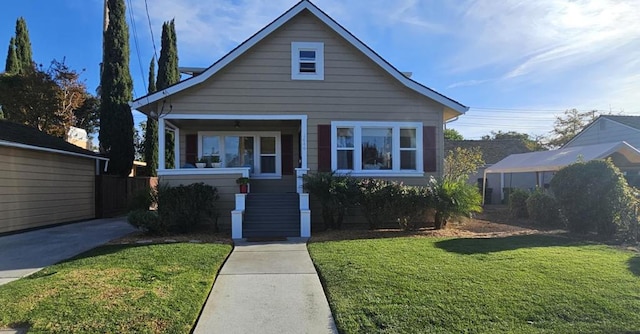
(267,288)
(25,253)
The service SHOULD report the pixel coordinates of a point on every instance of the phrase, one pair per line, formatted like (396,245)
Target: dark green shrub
(376,201)
(141,200)
(183,208)
(147,221)
(593,196)
(518,203)
(335,193)
(453,198)
(410,204)
(544,209)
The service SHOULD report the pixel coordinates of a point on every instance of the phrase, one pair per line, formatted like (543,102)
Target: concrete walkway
(25,253)
(267,288)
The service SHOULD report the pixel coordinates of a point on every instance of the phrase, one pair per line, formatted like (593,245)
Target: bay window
(377,148)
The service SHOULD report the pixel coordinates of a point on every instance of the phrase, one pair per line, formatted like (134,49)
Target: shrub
(544,209)
(141,200)
(335,193)
(147,221)
(518,203)
(451,198)
(183,208)
(376,200)
(593,196)
(410,204)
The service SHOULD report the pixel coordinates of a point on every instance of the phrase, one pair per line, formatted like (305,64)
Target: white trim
(318,48)
(176,148)
(51,150)
(357,148)
(257,174)
(280,21)
(236,117)
(161,158)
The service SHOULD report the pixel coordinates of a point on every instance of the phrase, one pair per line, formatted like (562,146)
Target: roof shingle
(26,135)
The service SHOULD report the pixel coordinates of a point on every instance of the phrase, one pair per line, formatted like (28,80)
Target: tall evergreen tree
(151,130)
(168,74)
(23,46)
(116,120)
(11,65)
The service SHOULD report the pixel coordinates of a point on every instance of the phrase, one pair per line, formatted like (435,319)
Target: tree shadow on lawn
(470,246)
(634,265)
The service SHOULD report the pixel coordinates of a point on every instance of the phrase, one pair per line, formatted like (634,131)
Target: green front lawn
(520,284)
(116,289)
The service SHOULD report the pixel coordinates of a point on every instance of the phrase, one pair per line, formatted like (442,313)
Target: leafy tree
(12,65)
(116,120)
(532,143)
(460,163)
(139,140)
(452,134)
(87,115)
(168,74)
(23,47)
(568,125)
(151,130)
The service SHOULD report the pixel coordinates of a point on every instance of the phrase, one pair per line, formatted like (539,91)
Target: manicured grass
(520,284)
(116,289)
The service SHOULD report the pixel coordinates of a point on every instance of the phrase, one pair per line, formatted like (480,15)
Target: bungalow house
(301,95)
(44,180)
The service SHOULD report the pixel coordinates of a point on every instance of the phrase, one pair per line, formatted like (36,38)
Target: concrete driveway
(25,253)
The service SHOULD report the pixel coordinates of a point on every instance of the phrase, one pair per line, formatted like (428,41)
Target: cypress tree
(168,74)
(151,131)
(11,65)
(116,120)
(23,46)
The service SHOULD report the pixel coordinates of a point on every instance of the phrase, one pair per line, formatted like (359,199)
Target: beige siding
(41,188)
(355,88)
(607,131)
(226,185)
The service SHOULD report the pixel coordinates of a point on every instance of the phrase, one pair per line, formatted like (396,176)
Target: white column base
(236,224)
(305,223)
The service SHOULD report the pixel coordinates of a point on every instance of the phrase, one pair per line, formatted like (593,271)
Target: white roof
(284,18)
(547,161)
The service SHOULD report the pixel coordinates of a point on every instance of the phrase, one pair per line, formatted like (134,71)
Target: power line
(153,41)
(135,40)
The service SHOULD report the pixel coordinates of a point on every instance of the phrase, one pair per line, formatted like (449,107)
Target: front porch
(271,150)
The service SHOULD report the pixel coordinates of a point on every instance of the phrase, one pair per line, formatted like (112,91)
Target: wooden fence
(113,193)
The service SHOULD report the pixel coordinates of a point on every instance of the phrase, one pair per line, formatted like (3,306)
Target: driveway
(25,253)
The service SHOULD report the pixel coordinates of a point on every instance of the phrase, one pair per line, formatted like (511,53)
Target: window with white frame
(260,151)
(382,148)
(307,61)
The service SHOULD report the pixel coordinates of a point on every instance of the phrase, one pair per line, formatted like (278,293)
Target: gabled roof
(492,150)
(629,121)
(547,161)
(18,135)
(277,23)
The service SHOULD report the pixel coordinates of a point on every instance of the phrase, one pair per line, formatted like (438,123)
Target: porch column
(161,157)
(303,141)
(176,148)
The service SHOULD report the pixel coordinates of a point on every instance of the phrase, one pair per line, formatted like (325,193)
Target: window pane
(345,159)
(268,164)
(377,145)
(238,151)
(407,138)
(210,145)
(307,55)
(267,145)
(307,67)
(408,160)
(345,137)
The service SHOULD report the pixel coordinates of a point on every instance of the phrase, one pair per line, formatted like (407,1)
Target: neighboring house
(79,137)
(492,152)
(44,180)
(609,129)
(301,95)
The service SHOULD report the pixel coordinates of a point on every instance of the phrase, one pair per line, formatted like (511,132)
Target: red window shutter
(287,154)
(191,149)
(324,148)
(430,149)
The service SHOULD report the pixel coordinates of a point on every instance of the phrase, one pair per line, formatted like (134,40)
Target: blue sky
(516,63)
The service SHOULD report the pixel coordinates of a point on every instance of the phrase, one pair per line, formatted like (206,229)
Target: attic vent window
(307,61)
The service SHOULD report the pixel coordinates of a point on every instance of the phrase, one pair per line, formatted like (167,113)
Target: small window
(307,61)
